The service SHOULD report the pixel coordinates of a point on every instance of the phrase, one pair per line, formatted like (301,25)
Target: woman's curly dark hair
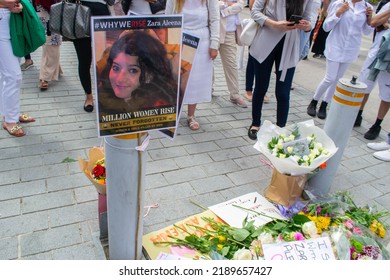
(156,68)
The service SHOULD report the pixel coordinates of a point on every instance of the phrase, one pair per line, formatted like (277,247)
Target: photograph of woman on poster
(137,76)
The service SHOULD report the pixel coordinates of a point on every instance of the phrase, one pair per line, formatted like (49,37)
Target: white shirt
(344,40)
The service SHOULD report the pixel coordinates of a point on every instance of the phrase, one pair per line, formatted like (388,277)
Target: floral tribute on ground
(332,228)
(94,168)
(295,153)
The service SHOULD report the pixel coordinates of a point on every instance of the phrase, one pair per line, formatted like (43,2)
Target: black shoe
(304,58)
(88,108)
(252,133)
(373,132)
(358,121)
(322,111)
(311,109)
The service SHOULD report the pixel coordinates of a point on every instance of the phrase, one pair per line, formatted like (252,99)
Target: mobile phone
(295,19)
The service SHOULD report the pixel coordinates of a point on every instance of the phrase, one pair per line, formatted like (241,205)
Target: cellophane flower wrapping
(288,165)
(95,154)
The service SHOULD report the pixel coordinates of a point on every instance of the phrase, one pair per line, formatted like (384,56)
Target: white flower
(325,151)
(318,146)
(309,138)
(266,238)
(279,146)
(310,229)
(296,158)
(290,149)
(282,156)
(242,254)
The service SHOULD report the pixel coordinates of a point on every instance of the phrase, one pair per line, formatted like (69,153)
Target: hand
(303,25)
(7,3)
(16,8)
(281,25)
(213,53)
(369,12)
(343,8)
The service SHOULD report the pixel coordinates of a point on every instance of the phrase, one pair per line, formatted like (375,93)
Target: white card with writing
(234,216)
(304,250)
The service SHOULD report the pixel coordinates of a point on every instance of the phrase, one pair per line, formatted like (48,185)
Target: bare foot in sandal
(43,85)
(14,129)
(25,118)
(192,123)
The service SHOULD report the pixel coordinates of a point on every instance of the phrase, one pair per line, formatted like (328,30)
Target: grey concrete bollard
(338,126)
(125,168)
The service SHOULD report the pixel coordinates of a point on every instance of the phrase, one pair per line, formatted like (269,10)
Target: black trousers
(83,48)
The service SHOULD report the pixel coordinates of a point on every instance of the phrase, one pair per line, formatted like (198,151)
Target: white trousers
(334,71)
(10,73)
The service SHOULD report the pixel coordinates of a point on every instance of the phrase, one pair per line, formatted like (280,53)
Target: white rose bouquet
(295,150)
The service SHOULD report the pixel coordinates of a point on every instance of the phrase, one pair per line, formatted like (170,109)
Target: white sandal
(192,123)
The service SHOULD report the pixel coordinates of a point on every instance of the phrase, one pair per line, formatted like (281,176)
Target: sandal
(43,84)
(192,123)
(16,130)
(25,118)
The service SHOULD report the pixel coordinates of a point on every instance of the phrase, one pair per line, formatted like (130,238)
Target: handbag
(157,6)
(250,28)
(71,20)
(26,30)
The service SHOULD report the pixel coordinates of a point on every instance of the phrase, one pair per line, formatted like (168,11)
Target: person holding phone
(347,21)
(281,49)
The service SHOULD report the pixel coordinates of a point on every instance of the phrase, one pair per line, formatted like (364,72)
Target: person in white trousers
(347,21)
(10,74)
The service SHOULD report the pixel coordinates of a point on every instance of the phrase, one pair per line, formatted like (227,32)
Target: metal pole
(338,126)
(125,196)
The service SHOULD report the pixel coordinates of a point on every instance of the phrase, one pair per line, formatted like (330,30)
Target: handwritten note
(304,250)
(250,202)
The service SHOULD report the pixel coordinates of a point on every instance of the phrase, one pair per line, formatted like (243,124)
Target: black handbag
(157,6)
(71,20)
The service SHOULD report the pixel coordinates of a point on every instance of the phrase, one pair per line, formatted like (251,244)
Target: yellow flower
(324,222)
(221,239)
(219,246)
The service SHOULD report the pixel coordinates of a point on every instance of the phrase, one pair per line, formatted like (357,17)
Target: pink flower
(357,231)
(348,224)
(298,236)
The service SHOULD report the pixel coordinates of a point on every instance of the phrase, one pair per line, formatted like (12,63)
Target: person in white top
(347,21)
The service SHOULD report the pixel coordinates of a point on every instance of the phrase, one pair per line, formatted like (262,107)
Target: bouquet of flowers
(334,220)
(295,150)
(94,169)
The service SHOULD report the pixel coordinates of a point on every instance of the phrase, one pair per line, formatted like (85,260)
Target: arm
(335,11)
(251,2)
(380,18)
(214,17)
(231,8)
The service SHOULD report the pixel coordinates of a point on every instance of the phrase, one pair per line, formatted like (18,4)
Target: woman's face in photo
(125,75)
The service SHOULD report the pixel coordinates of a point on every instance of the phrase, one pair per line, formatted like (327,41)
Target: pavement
(49,209)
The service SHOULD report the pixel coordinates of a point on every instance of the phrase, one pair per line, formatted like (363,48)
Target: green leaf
(279,226)
(68,159)
(239,234)
(300,219)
